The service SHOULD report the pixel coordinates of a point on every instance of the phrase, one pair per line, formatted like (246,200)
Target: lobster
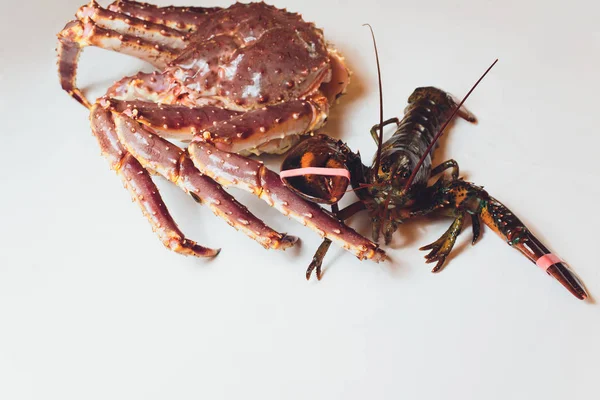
(395,187)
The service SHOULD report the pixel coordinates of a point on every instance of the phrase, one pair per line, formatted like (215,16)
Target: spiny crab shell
(251,55)
(246,57)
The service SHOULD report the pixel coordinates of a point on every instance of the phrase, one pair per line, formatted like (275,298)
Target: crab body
(233,81)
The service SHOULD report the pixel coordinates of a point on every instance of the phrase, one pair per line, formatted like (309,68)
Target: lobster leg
(440,249)
(459,198)
(476,222)
(139,183)
(317,260)
(450,164)
(344,214)
(375,134)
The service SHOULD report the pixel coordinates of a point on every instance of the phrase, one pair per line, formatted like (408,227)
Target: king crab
(233,81)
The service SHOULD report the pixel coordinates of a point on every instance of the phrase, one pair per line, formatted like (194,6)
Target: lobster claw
(315,169)
(463,196)
(562,273)
(537,252)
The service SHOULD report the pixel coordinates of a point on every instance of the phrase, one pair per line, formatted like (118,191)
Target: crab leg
(234,170)
(170,161)
(173,121)
(141,86)
(181,18)
(68,54)
(174,118)
(88,33)
(260,128)
(157,45)
(155,88)
(139,183)
(160,35)
(229,130)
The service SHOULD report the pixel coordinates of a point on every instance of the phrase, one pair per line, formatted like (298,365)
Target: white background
(93,307)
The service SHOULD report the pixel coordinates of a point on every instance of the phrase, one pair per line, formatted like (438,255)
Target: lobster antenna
(380,143)
(439,134)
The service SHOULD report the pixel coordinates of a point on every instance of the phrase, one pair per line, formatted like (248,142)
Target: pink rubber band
(547,260)
(315,171)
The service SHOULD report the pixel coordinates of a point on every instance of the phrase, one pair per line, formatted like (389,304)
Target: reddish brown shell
(253,54)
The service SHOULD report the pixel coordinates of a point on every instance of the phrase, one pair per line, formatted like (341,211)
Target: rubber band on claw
(548,260)
(315,171)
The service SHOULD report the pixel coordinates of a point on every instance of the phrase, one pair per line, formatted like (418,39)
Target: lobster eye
(405,175)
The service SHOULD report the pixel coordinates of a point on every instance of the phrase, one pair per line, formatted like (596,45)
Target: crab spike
(380,143)
(441,131)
